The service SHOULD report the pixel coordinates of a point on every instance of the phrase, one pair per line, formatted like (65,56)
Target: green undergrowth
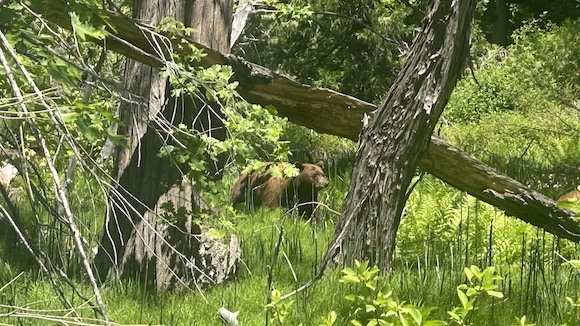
(258,232)
(442,232)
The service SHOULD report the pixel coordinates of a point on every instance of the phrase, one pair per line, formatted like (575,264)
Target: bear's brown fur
(263,189)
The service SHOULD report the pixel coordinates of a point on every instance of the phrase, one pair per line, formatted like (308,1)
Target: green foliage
(293,12)
(526,92)
(278,310)
(536,74)
(522,117)
(251,128)
(320,147)
(522,322)
(329,320)
(439,219)
(84,29)
(433,216)
(373,305)
(572,307)
(93,121)
(496,92)
(481,284)
(8,278)
(253,132)
(572,313)
(571,203)
(435,285)
(58,64)
(256,134)
(354,47)
(535,148)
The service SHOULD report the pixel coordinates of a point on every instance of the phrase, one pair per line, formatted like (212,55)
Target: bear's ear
(320,164)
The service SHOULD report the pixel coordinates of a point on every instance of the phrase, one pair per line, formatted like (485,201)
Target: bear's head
(312,174)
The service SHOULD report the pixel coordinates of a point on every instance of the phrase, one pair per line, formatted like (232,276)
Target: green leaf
(522,321)
(275,296)
(434,323)
(471,292)
(331,319)
(496,294)
(478,273)
(573,263)
(469,273)
(215,234)
(371,285)
(454,315)
(416,314)
(83,29)
(403,320)
(350,297)
(348,271)
(426,311)
(390,313)
(462,297)
(349,279)
(361,266)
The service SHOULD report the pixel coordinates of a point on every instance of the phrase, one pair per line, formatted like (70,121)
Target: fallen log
(311,107)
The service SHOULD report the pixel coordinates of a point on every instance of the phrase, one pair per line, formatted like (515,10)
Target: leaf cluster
(535,74)
(373,305)
(481,284)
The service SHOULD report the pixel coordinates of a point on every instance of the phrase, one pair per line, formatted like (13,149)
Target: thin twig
(61,195)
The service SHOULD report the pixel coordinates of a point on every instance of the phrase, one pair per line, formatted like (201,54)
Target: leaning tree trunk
(395,136)
(136,242)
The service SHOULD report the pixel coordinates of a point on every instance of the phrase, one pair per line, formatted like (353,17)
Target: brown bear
(263,189)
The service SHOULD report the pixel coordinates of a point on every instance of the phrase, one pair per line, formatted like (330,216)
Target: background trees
(511,102)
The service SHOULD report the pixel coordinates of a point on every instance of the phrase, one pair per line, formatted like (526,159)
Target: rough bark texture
(311,107)
(396,134)
(500,25)
(137,242)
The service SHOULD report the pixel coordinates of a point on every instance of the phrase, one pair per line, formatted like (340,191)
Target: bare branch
(61,194)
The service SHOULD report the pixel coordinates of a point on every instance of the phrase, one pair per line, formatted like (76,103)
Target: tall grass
(442,232)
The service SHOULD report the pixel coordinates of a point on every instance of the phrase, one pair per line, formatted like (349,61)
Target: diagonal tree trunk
(311,106)
(395,136)
(136,242)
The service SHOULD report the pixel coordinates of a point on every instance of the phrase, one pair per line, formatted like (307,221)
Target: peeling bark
(395,136)
(138,241)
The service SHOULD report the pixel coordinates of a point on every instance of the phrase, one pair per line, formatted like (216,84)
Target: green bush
(536,74)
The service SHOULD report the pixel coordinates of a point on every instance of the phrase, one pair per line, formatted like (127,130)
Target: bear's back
(264,189)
